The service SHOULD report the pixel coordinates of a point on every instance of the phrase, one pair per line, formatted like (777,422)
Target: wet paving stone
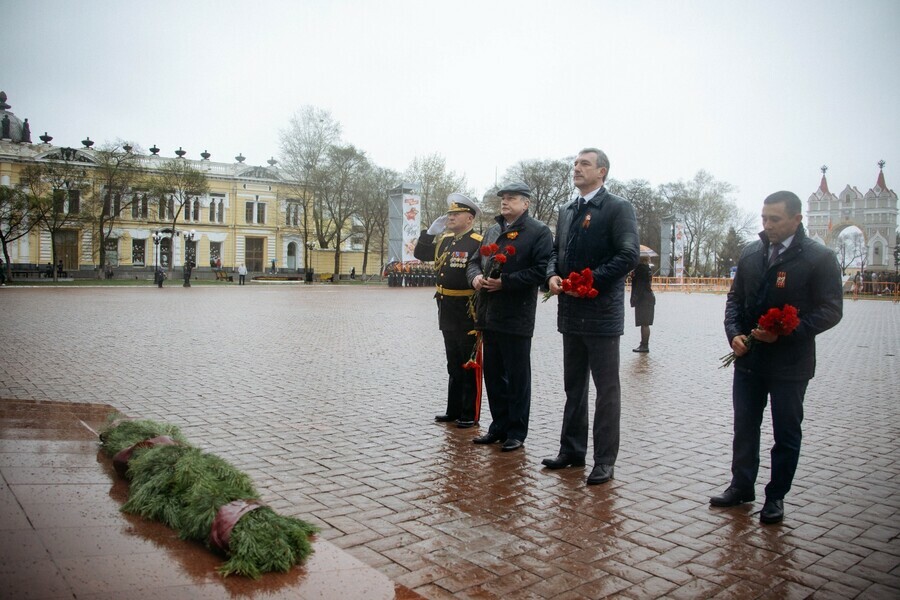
(325,396)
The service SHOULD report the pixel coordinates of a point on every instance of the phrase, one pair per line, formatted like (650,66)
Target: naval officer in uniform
(450,243)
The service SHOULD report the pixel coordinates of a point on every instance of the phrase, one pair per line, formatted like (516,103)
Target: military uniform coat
(450,254)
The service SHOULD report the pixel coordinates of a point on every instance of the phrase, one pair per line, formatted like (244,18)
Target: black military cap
(517,187)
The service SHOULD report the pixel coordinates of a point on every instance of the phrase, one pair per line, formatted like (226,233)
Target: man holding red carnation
(596,246)
(786,291)
(507,274)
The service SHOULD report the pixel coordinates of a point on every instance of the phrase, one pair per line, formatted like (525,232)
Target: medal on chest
(782,278)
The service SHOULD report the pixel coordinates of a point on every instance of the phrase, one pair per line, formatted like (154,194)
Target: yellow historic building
(251,215)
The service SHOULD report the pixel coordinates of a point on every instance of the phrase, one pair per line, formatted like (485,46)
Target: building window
(138,248)
(215,254)
(112,252)
(292,214)
(67,201)
(255,212)
(220,215)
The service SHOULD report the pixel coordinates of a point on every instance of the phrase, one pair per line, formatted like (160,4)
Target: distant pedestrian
(352,272)
(242,274)
(784,267)
(2,272)
(643,301)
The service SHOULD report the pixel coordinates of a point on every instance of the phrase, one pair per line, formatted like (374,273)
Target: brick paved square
(325,395)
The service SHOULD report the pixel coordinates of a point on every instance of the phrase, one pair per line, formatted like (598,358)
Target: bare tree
(174,186)
(551,185)
(430,172)
(707,210)
(336,200)
(304,144)
(372,211)
(17,219)
(116,171)
(649,206)
(851,249)
(56,188)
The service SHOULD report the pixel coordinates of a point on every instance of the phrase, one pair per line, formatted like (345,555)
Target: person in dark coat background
(598,231)
(784,267)
(450,242)
(507,302)
(643,301)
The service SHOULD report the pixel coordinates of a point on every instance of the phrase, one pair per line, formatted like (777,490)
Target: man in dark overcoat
(507,302)
(596,231)
(783,267)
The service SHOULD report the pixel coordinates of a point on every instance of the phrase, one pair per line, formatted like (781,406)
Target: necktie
(776,250)
(579,204)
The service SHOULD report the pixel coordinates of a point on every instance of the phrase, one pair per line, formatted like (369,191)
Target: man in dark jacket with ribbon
(450,242)
(596,231)
(507,280)
(783,268)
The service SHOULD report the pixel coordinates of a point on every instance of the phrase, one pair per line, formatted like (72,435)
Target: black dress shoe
(444,418)
(488,438)
(772,511)
(732,497)
(462,424)
(600,474)
(562,461)
(511,444)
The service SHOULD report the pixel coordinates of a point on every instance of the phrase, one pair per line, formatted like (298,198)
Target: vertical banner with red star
(412,216)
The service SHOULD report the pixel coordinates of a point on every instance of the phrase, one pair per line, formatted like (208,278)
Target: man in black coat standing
(596,231)
(507,280)
(450,242)
(784,267)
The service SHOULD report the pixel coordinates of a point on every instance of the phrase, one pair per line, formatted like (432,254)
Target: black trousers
(586,357)
(461,388)
(750,393)
(507,378)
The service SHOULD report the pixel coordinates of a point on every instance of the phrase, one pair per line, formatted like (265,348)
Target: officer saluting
(450,242)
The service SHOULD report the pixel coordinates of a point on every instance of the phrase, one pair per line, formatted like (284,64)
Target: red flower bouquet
(780,321)
(579,283)
(498,259)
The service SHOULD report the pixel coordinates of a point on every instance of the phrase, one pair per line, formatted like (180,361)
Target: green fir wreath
(185,488)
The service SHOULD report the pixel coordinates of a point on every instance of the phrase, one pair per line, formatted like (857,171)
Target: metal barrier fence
(869,290)
(691,284)
(873,290)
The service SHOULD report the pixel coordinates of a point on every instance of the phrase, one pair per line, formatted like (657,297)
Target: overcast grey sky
(759,93)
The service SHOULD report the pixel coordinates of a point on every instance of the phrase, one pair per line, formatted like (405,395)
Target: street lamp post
(157,275)
(307,168)
(188,260)
(308,275)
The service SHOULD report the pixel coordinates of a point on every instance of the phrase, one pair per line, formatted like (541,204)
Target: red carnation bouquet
(580,283)
(780,321)
(498,259)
